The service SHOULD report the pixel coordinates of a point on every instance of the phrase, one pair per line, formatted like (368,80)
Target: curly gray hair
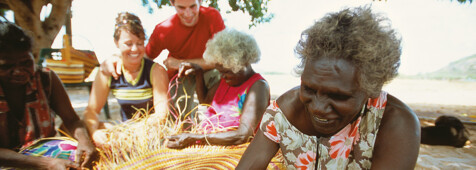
(233,49)
(358,36)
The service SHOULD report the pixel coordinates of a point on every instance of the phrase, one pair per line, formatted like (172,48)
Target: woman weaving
(237,101)
(142,86)
(339,117)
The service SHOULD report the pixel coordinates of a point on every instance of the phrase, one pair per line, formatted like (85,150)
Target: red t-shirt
(181,41)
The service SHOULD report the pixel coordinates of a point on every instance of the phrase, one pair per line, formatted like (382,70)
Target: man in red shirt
(184,35)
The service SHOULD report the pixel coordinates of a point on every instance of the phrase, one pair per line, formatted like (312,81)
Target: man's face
(187,11)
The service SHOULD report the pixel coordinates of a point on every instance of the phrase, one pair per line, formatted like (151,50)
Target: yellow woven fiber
(140,144)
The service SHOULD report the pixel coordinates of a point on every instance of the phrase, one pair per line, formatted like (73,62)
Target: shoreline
(427,98)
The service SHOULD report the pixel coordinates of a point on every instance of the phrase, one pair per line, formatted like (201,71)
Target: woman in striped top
(143,84)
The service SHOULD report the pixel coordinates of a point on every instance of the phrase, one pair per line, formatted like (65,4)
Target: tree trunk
(27,15)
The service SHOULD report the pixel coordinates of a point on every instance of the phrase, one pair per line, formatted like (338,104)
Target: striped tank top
(134,94)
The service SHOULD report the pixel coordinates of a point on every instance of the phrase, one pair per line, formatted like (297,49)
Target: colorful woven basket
(72,72)
(71,65)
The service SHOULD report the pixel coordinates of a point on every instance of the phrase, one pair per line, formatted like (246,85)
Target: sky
(434,32)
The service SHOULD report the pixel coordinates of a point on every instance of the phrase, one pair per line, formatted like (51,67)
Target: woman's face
(232,79)
(131,47)
(16,67)
(330,95)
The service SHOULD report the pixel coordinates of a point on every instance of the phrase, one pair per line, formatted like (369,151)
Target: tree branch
(53,23)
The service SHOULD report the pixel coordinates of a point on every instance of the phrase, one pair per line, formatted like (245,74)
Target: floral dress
(350,148)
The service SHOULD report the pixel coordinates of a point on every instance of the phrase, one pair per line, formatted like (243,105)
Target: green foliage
(2,14)
(257,9)
(464,1)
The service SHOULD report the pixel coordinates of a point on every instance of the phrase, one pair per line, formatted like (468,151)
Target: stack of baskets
(71,65)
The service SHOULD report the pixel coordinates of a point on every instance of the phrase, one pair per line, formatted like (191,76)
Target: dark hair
(128,22)
(13,38)
(358,36)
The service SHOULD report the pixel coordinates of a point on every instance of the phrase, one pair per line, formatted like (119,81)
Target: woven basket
(72,72)
(71,65)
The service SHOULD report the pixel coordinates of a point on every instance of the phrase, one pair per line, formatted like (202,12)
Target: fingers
(118,69)
(172,138)
(84,158)
(100,137)
(72,164)
(185,69)
(172,142)
(189,71)
(79,155)
(87,160)
(108,125)
(108,66)
(181,69)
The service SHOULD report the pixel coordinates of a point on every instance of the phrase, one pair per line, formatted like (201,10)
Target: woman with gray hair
(237,102)
(339,117)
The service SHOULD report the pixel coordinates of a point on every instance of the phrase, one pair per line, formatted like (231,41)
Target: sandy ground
(428,98)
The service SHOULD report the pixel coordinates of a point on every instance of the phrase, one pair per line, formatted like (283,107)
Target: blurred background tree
(256,9)
(27,15)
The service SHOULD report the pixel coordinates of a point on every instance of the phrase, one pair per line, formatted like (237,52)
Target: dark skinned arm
(398,140)
(255,104)
(259,153)
(10,158)
(261,150)
(59,101)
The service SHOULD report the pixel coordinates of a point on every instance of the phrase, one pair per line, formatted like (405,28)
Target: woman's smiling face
(331,95)
(131,47)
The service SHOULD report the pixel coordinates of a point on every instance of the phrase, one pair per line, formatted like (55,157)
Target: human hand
(112,66)
(60,164)
(189,68)
(86,153)
(99,137)
(172,63)
(181,140)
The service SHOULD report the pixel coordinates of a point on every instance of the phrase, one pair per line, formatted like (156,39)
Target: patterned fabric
(38,120)
(55,147)
(227,105)
(350,148)
(134,94)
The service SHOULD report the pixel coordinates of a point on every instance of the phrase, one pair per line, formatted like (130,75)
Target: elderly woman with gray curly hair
(339,117)
(237,102)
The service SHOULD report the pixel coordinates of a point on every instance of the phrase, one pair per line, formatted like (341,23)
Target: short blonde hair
(232,49)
